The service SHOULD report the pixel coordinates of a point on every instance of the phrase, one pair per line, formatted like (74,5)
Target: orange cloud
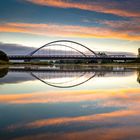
(104,7)
(67,31)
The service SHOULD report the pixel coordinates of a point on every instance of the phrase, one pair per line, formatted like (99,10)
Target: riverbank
(54,64)
(25,63)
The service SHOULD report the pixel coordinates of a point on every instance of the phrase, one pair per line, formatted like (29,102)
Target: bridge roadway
(70,57)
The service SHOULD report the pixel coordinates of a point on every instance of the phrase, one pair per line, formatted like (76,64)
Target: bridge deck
(72,57)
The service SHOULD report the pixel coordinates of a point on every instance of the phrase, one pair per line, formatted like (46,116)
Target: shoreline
(53,64)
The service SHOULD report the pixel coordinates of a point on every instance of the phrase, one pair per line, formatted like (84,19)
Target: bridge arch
(64,41)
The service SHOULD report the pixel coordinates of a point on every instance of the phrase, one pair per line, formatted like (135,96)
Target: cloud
(69,31)
(127,26)
(14,49)
(127,8)
(17,49)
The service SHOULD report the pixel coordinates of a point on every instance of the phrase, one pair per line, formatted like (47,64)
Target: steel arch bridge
(63,48)
(68,50)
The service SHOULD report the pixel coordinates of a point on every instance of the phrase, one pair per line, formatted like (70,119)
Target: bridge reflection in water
(68,77)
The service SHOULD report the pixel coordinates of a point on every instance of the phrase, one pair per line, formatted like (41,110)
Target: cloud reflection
(68,96)
(121,133)
(121,124)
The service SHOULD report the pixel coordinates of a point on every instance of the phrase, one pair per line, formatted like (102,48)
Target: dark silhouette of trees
(3,56)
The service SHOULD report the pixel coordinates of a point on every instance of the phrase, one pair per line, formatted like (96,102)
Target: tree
(3,56)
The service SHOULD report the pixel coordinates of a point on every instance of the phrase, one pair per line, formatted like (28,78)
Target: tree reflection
(3,71)
(138,77)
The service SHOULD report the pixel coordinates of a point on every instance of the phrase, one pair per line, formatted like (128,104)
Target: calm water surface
(70,103)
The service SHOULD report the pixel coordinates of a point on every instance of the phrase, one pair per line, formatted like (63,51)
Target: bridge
(67,50)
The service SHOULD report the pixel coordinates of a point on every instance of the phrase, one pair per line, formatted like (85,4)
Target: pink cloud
(103,7)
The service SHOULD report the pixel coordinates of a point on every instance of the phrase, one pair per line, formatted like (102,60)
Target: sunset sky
(102,25)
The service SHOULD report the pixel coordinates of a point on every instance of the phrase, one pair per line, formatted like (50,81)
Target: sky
(102,25)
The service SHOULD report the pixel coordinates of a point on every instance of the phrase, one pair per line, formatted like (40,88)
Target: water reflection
(3,71)
(138,78)
(102,103)
(63,76)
